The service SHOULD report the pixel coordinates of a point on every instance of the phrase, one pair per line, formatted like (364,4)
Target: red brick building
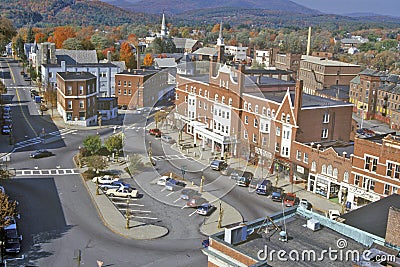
(77,98)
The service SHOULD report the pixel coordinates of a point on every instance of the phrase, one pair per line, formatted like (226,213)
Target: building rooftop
(106,98)
(326,62)
(361,218)
(265,81)
(391,88)
(76,56)
(76,75)
(78,65)
(209,51)
(335,91)
(138,72)
(371,72)
(267,72)
(185,43)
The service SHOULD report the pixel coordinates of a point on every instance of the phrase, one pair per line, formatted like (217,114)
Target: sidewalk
(205,156)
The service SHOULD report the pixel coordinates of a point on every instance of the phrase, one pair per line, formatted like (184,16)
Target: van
(218,165)
(245,179)
(264,188)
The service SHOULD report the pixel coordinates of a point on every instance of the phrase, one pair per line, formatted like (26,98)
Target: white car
(163,180)
(106,179)
(333,214)
(122,192)
(167,139)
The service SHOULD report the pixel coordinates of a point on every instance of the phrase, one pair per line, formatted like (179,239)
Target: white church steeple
(164,32)
(220,40)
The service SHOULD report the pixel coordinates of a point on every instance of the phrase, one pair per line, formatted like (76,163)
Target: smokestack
(309,41)
(138,57)
(108,56)
(298,98)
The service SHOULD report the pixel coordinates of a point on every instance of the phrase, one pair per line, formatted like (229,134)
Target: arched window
(346,177)
(249,107)
(283,117)
(329,170)
(223,99)
(288,118)
(230,102)
(216,97)
(323,169)
(245,105)
(335,172)
(256,109)
(268,113)
(205,93)
(273,114)
(264,111)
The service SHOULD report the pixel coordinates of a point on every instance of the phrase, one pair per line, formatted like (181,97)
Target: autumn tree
(126,54)
(148,60)
(8,209)
(40,37)
(92,143)
(61,34)
(114,143)
(216,28)
(7,31)
(96,162)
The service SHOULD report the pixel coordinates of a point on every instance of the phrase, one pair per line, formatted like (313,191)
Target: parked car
(289,200)
(227,171)
(333,214)
(41,153)
(245,179)
(167,139)
(196,201)
(106,179)
(122,192)
(205,209)
(174,185)
(218,165)
(13,239)
(163,180)
(277,194)
(205,243)
(114,185)
(305,204)
(7,108)
(264,188)
(188,193)
(155,131)
(5,129)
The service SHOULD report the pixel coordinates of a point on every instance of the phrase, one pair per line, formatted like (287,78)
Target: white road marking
(141,217)
(177,200)
(170,194)
(192,213)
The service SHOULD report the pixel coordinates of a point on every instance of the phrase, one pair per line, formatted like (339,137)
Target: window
(205,93)
(124,83)
(223,99)
(222,128)
(396,171)
(298,155)
(81,116)
(255,123)
(216,98)
(245,135)
(283,117)
(313,166)
(371,185)
(200,91)
(278,131)
(273,114)
(81,103)
(285,151)
(329,171)
(256,109)
(386,190)
(69,104)
(324,133)
(323,170)
(389,169)
(374,164)
(357,180)
(69,90)
(186,99)
(119,91)
(249,107)
(246,120)
(264,111)
(199,104)
(119,83)
(335,173)
(288,118)
(124,91)
(227,114)
(395,190)
(219,113)
(129,84)
(81,89)
(268,113)
(205,105)
(367,163)
(69,116)
(230,102)
(264,141)
(277,147)
(245,105)
(346,177)
(325,118)
(254,138)
(305,158)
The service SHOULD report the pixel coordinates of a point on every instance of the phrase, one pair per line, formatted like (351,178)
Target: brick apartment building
(77,98)
(143,88)
(228,112)
(376,95)
(320,73)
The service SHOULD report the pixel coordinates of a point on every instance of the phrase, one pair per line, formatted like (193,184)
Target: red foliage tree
(126,54)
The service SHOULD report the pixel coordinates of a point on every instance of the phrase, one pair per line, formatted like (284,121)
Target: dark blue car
(277,194)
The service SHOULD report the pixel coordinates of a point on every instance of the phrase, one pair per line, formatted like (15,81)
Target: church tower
(164,32)
(220,46)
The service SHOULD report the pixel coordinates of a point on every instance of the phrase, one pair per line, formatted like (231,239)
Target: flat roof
(107,64)
(326,62)
(139,72)
(76,75)
(300,239)
(373,217)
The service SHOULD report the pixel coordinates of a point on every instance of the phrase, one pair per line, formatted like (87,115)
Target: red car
(289,200)
(155,132)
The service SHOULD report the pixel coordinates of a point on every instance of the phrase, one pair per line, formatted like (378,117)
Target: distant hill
(179,6)
(68,12)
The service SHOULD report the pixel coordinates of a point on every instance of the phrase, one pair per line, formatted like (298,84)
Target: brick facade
(393,227)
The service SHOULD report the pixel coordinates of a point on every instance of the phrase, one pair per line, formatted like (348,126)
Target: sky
(383,7)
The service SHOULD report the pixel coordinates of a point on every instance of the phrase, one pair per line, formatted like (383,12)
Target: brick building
(288,62)
(77,98)
(232,113)
(320,73)
(142,88)
(376,169)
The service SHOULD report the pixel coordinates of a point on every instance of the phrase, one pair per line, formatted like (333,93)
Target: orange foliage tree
(61,34)
(148,60)
(40,37)
(126,54)
(215,28)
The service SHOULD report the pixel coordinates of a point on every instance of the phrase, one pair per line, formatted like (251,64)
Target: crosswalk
(39,139)
(133,127)
(46,172)
(171,157)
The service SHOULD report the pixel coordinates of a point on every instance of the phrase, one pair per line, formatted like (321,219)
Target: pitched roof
(165,62)
(185,43)
(76,56)
(210,51)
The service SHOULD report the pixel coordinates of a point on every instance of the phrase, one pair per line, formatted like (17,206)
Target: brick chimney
(393,227)
(298,99)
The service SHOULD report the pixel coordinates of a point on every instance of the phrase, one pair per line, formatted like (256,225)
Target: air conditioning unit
(313,224)
(236,234)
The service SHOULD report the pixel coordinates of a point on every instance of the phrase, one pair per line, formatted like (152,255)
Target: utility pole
(201,183)
(221,212)
(127,215)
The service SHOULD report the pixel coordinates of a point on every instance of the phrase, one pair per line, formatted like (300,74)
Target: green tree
(7,32)
(114,142)
(30,36)
(96,162)
(100,42)
(72,44)
(92,143)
